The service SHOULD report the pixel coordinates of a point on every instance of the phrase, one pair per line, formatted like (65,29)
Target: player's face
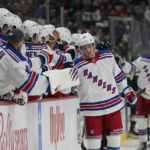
(88,51)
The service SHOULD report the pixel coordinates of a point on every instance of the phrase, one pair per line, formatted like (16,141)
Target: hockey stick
(83,132)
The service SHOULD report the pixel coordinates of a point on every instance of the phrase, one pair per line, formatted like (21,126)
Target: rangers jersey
(15,72)
(56,60)
(32,50)
(141,65)
(3,38)
(101,81)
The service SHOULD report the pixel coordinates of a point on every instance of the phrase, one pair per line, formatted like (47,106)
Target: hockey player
(101,81)
(51,36)
(55,59)
(141,65)
(15,70)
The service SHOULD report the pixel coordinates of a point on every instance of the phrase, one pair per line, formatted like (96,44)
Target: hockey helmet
(28,24)
(86,38)
(64,34)
(16,21)
(75,41)
(46,31)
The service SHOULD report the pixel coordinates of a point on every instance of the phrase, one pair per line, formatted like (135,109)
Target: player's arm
(129,67)
(48,56)
(122,86)
(26,80)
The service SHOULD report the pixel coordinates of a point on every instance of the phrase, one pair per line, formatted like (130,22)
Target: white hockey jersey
(32,50)
(101,81)
(57,60)
(15,72)
(141,65)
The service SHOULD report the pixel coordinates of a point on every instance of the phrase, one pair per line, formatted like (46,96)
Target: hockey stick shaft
(140,92)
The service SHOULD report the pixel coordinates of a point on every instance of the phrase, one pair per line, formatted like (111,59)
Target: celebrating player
(101,81)
(142,65)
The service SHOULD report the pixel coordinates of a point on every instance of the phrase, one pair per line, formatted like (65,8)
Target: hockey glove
(20,98)
(71,50)
(46,67)
(8,96)
(130,96)
(68,65)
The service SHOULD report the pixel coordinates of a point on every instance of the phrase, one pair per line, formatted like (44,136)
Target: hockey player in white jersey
(58,61)
(15,70)
(101,81)
(142,65)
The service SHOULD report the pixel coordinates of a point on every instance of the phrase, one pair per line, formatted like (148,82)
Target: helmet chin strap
(52,40)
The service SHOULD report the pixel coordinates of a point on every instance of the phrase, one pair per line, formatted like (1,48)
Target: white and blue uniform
(141,65)
(32,50)
(15,72)
(3,38)
(101,81)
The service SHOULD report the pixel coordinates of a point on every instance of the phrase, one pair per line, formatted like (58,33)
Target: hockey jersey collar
(93,60)
(14,53)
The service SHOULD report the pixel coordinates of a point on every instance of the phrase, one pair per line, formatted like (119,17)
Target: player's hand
(130,96)
(21,98)
(46,67)
(18,97)
(8,96)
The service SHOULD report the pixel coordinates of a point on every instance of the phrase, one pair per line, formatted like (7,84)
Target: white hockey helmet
(34,30)
(86,38)
(28,24)
(15,21)
(4,11)
(11,21)
(64,34)
(46,31)
(75,41)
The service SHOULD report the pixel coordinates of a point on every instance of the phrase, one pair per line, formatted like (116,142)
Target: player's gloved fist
(71,50)
(21,98)
(46,67)
(8,96)
(18,97)
(130,96)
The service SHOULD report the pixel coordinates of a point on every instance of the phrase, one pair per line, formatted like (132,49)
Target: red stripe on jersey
(61,62)
(80,63)
(48,55)
(13,55)
(120,77)
(30,82)
(101,105)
